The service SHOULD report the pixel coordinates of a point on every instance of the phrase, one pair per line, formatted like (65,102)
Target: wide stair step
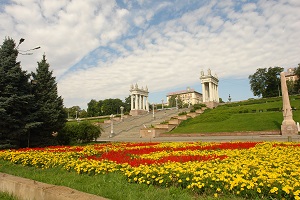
(130,127)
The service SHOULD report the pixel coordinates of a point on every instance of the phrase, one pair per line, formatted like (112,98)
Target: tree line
(265,82)
(30,109)
(100,108)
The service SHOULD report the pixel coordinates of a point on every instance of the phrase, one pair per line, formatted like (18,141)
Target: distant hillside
(251,115)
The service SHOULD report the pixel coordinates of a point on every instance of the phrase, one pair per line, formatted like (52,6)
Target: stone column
(217,90)
(136,102)
(140,102)
(213,91)
(210,91)
(147,104)
(203,92)
(131,101)
(288,126)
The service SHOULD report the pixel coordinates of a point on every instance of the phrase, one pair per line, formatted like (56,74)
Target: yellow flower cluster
(270,169)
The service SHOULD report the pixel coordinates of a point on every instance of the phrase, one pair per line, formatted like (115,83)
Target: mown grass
(7,196)
(253,115)
(112,185)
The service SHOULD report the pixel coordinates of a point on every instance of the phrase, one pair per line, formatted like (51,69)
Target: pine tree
(49,110)
(15,97)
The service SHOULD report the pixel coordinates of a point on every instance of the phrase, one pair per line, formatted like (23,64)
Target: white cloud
(66,30)
(163,45)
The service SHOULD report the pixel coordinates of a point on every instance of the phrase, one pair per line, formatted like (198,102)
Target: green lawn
(254,115)
(112,185)
(6,196)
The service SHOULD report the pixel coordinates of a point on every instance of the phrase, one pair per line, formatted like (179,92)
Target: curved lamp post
(20,51)
(122,109)
(28,50)
(153,111)
(111,125)
(32,82)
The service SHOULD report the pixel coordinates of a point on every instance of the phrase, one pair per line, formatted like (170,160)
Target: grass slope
(253,115)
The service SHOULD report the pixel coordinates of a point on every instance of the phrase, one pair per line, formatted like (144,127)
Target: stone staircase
(130,126)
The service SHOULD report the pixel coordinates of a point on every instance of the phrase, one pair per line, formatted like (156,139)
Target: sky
(98,48)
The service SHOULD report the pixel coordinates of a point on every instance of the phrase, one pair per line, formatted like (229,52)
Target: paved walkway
(294,138)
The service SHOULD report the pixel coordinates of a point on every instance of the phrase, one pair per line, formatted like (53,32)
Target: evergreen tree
(15,97)
(48,110)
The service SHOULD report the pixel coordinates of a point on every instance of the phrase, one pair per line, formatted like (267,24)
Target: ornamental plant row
(247,169)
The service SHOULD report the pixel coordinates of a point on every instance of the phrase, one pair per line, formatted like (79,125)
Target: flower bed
(247,169)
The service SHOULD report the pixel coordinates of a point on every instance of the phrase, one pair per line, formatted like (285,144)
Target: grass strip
(112,185)
(7,196)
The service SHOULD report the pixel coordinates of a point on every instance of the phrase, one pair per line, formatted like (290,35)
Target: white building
(188,96)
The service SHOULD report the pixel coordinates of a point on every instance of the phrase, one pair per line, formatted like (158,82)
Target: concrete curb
(26,189)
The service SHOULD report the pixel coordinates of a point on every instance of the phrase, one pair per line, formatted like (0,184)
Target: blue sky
(98,48)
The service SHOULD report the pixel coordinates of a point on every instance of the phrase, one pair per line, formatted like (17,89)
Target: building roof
(189,90)
(290,72)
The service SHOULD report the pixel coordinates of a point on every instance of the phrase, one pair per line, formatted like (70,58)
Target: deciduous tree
(266,82)
(172,101)
(297,83)
(93,109)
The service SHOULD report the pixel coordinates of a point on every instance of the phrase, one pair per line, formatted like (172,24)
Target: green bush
(182,113)
(164,122)
(198,106)
(80,132)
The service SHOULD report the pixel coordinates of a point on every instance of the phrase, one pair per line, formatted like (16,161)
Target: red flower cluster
(130,156)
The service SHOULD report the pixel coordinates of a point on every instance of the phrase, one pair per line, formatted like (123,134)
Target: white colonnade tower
(210,90)
(139,100)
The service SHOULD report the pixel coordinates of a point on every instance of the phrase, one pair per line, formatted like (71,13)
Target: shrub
(198,106)
(79,132)
(164,122)
(182,113)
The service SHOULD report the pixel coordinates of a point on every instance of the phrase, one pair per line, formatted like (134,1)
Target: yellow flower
(296,193)
(273,190)
(258,190)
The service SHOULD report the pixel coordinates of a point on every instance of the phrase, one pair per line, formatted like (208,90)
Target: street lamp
(20,42)
(162,104)
(19,51)
(32,82)
(38,47)
(111,125)
(121,108)
(229,98)
(153,111)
